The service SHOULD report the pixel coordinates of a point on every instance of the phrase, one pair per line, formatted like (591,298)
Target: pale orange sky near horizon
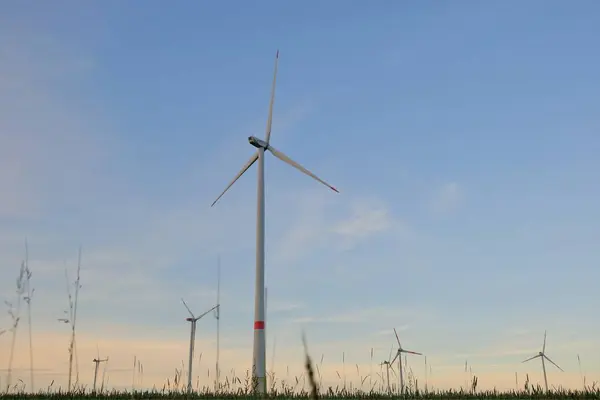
(161,358)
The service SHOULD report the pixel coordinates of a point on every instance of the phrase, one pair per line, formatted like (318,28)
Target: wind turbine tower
(542,355)
(388,366)
(97,361)
(399,357)
(259,368)
(193,320)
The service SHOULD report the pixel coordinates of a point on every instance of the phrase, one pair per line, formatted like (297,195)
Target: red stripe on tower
(259,324)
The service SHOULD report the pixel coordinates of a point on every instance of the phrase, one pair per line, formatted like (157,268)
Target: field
(177,395)
(308,386)
(174,390)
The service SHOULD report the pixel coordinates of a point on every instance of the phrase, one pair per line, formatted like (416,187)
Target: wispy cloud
(447,198)
(335,223)
(388,332)
(361,315)
(283,307)
(366,219)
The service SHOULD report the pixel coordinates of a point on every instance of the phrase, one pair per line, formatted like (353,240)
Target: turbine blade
(203,314)
(294,164)
(530,358)
(398,339)
(544,347)
(555,364)
(270,118)
(411,352)
(397,354)
(251,161)
(186,306)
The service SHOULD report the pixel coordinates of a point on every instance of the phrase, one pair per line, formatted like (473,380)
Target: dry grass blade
(314,392)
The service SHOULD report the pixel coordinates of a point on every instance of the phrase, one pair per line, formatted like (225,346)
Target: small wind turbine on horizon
(399,357)
(581,372)
(542,355)
(426,377)
(259,368)
(193,321)
(388,366)
(97,361)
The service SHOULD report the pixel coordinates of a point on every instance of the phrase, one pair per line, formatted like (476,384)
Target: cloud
(448,198)
(285,307)
(366,219)
(323,221)
(388,332)
(361,315)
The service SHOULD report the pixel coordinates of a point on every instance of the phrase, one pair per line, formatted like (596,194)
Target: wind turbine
(97,361)
(193,320)
(259,368)
(542,355)
(399,357)
(388,366)
(426,382)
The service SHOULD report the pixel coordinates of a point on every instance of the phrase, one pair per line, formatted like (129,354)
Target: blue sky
(463,137)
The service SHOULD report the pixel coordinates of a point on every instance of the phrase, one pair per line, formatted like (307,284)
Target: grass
(235,387)
(83,393)
(307,386)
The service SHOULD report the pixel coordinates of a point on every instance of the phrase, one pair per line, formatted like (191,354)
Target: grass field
(308,386)
(243,391)
(537,393)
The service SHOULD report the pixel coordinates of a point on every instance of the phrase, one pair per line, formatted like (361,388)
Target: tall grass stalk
(314,393)
(28,299)
(15,314)
(73,321)
(217,314)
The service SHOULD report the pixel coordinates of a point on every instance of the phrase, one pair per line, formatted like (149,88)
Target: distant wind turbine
(97,361)
(259,368)
(399,357)
(426,377)
(193,321)
(581,372)
(388,366)
(542,355)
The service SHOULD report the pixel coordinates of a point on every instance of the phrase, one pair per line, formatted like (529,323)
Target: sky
(463,137)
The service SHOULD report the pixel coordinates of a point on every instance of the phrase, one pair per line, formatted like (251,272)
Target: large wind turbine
(399,357)
(542,355)
(259,349)
(193,321)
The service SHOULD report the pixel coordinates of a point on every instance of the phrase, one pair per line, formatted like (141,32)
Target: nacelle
(258,143)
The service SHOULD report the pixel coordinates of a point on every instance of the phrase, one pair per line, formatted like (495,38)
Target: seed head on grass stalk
(72,321)
(314,393)
(28,299)
(15,314)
